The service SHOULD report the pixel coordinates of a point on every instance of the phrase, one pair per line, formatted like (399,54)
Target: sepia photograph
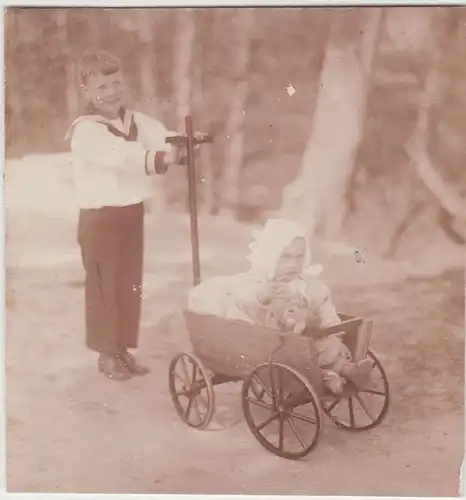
(235,250)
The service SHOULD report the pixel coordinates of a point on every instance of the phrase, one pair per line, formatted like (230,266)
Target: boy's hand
(157,162)
(175,148)
(173,155)
(177,153)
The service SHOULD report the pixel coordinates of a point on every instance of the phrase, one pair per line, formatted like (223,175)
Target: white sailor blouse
(114,159)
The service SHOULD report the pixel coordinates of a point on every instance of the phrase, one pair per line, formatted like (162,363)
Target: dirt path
(70,430)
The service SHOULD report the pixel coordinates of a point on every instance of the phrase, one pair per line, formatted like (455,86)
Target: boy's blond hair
(95,62)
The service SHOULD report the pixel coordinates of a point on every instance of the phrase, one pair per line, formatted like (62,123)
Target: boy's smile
(106,92)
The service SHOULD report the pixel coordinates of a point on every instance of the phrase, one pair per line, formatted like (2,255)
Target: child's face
(106,92)
(291,261)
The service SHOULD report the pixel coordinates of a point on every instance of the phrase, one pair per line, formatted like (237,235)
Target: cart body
(234,348)
(280,380)
(279,372)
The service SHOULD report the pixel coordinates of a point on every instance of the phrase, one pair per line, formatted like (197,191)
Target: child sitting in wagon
(281,276)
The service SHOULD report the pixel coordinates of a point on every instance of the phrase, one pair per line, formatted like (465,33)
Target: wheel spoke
(332,406)
(280,387)
(257,379)
(296,400)
(205,402)
(179,377)
(188,409)
(273,388)
(302,417)
(257,389)
(187,380)
(351,411)
(261,404)
(267,421)
(281,432)
(296,433)
(193,378)
(199,385)
(259,395)
(373,391)
(196,409)
(364,407)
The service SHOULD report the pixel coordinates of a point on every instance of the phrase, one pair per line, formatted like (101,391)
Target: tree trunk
(446,195)
(174,181)
(72,97)
(201,106)
(217,94)
(235,125)
(146,61)
(182,66)
(318,193)
(14,116)
(417,148)
(93,27)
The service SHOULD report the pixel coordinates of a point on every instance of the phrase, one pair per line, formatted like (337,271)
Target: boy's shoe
(359,373)
(132,365)
(333,382)
(113,368)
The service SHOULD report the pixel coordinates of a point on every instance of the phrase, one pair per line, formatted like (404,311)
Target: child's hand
(272,290)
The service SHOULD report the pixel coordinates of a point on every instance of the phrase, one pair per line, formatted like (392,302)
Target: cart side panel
(357,334)
(235,348)
(363,340)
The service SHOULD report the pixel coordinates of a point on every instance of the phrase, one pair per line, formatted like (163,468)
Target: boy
(114,151)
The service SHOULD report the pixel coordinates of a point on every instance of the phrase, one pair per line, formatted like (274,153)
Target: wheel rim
(359,410)
(191,390)
(282,410)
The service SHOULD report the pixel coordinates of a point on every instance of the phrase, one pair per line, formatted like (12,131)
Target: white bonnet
(270,241)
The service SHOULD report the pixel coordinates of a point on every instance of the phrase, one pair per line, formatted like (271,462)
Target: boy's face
(106,92)
(291,261)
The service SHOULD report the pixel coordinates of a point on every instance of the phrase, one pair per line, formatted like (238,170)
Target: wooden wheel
(282,410)
(191,390)
(363,409)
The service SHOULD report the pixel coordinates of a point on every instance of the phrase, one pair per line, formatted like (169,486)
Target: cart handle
(274,395)
(281,343)
(182,140)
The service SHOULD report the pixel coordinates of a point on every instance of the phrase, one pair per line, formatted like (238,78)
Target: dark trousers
(111,241)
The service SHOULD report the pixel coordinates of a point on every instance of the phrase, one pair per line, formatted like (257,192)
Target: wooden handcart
(283,397)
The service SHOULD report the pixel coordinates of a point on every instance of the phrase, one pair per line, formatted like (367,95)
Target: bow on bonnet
(271,240)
